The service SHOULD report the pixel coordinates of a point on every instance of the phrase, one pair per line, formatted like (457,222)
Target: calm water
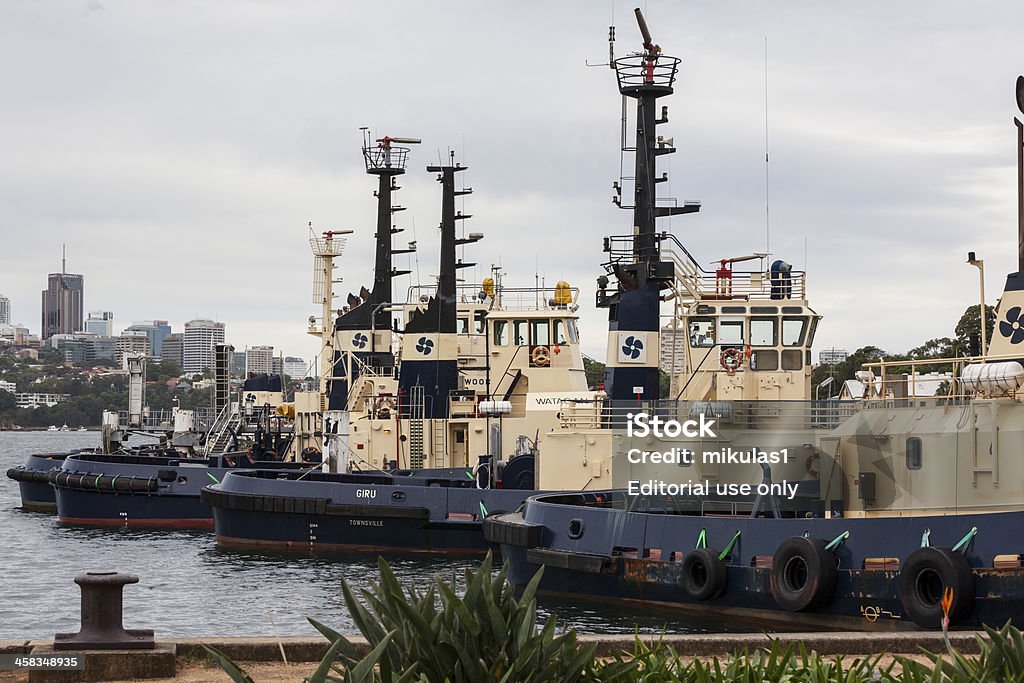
(189,587)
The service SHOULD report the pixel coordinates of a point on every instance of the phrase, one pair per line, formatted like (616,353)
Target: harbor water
(189,587)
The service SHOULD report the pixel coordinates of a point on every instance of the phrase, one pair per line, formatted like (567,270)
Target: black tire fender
(703,575)
(923,579)
(803,574)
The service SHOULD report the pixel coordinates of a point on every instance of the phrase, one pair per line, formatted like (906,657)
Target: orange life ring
(731,359)
(809,464)
(540,356)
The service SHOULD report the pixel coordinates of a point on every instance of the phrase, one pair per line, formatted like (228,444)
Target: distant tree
(594,371)
(7,401)
(970,323)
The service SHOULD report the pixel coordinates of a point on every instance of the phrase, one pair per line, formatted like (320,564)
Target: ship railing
(382,157)
(598,414)
(924,379)
(544,298)
(162,420)
(636,71)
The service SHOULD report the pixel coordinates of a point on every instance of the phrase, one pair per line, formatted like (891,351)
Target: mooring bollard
(102,629)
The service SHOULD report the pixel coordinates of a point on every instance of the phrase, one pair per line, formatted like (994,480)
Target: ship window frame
(774,322)
(803,330)
(520,332)
(574,335)
(765,352)
(738,323)
(812,330)
(535,326)
(559,335)
(692,334)
(500,331)
(480,320)
(914,448)
(461,325)
(788,362)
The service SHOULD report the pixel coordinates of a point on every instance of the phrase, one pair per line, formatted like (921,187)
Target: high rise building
(134,343)
(100,323)
(294,367)
(832,356)
(259,360)
(172,348)
(5,310)
(156,330)
(62,303)
(200,336)
(238,363)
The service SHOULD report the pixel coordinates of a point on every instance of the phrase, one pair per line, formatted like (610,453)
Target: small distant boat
(82,429)
(52,428)
(64,428)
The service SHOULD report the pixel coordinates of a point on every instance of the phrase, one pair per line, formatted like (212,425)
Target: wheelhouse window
(793,331)
(811,331)
(519,333)
(730,332)
(500,328)
(480,322)
(462,326)
(914,453)
(762,331)
(574,336)
(702,332)
(540,332)
(558,334)
(764,360)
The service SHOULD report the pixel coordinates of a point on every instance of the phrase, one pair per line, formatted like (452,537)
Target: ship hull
(637,557)
(142,491)
(344,513)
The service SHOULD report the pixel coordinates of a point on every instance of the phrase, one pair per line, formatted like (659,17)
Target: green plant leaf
(230,668)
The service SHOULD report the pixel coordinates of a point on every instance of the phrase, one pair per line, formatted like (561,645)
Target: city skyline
(890,159)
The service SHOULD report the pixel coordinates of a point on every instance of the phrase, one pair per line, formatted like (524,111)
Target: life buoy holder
(803,574)
(703,575)
(926,576)
(731,359)
(540,356)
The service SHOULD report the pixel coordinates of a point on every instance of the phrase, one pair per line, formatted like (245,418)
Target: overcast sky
(181,148)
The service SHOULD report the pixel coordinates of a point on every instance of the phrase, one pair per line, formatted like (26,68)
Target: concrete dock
(262,657)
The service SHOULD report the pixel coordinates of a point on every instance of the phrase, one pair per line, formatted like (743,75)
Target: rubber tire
(952,570)
(703,575)
(817,586)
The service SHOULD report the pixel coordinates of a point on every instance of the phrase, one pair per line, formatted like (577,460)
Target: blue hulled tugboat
(889,511)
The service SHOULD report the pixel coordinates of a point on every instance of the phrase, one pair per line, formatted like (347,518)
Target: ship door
(460,447)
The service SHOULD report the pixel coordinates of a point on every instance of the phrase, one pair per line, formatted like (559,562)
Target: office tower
(62,303)
(200,336)
(100,323)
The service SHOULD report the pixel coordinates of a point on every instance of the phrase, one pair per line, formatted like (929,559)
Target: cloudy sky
(180,149)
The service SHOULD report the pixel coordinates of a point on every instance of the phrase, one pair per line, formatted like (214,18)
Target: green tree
(970,323)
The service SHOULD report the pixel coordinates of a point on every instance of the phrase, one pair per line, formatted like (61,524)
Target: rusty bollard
(101,616)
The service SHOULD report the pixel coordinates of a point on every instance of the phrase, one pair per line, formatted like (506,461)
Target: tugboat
(904,510)
(485,376)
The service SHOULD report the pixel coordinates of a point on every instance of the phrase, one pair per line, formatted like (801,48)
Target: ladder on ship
(416,405)
(438,442)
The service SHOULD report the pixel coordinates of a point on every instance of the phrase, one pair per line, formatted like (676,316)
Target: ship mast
(635,260)
(363,329)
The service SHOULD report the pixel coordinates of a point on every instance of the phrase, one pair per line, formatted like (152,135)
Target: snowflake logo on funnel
(1012,327)
(424,346)
(359,341)
(632,347)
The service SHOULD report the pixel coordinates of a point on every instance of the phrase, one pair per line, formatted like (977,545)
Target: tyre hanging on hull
(925,577)
(703,575)
(803,574)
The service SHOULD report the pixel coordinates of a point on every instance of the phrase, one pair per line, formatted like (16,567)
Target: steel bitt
(102,629)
